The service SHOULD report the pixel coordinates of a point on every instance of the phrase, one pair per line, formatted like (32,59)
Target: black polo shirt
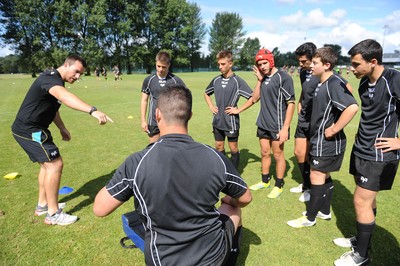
(152,85)
(329,101)
(39,107)
(275,93)
(308,85)
(176,184)
(227,93)
(380,112)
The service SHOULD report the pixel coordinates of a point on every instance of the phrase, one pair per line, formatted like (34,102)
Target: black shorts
(265,134)
(153,130)
(302,132)
(373,175)
(39,147)
(229,228)
(219,135)
(326,164)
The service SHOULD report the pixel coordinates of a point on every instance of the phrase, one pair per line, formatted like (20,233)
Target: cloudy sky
(288,23)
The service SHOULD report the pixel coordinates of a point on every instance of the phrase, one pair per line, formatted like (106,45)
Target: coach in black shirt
(176,184)
(30,129)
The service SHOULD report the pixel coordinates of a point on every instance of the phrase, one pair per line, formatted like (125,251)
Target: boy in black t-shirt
(376,151)
(333,108)
(275,91)
(227,88)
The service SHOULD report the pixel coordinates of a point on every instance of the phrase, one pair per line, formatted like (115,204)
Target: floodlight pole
(384,33)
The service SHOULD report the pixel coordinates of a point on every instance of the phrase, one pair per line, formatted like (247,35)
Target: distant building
(392,59)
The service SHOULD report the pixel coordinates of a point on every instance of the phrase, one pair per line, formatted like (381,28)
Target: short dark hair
(327,55)
(369,49)
(224,54)
(175,103)
(308,49)
(163,57)
(71,59)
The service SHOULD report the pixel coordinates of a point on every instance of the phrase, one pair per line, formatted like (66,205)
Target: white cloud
(314,19)
(286,1)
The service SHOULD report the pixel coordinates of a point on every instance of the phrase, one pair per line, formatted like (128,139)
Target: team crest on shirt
(267,80)
(162,82)
(224,82)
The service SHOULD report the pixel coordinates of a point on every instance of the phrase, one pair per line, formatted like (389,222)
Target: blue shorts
(39,147)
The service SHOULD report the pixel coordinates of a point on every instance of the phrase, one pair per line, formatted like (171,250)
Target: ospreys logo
(224,82)
(162,82)
(363,179)
(53,153)
(315,162)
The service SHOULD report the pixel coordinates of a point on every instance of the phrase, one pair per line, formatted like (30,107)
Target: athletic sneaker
(305,196)
(275,193)
(60,218)
(40,210)
(301,222)
(345,242)
(320,215)
(297,189)
(351,258)
(260,185)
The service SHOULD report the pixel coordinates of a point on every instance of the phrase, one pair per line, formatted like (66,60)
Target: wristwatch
(92,110)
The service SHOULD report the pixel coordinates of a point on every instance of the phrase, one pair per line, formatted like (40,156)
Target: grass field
(96,151)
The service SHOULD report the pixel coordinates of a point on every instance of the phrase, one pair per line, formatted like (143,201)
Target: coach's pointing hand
(101,117)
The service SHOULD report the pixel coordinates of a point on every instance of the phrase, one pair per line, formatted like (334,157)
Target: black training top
(308,84)
(39,107)
(227,93)
(380,106)
(176,184)
(152,85)
(330,99)
(275,93)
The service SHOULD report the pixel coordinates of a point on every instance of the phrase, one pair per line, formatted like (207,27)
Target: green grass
(96,151)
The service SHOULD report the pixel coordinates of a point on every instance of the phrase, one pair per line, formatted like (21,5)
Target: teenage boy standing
(227,88)
(333,108)
(376,151)
(275,91)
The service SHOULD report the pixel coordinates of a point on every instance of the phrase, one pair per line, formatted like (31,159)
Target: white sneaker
(320,215)
(297,189)
(345,242)
(60,218)
(301,222)
(351,258)
(305,196)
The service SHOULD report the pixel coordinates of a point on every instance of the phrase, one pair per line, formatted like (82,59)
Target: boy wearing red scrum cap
(275,91)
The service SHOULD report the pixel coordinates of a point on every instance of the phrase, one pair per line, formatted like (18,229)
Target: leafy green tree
(248,53)
(226,33)
(342,60)
(193,32)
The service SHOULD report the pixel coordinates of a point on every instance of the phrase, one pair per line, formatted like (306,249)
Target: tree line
(120,32)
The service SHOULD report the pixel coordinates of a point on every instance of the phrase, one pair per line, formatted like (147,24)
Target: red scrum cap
(265,54)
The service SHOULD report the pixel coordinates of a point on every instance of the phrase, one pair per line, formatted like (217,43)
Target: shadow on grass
(249,238)
(385,246)
(246,158)
(90,190)
(296,175)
